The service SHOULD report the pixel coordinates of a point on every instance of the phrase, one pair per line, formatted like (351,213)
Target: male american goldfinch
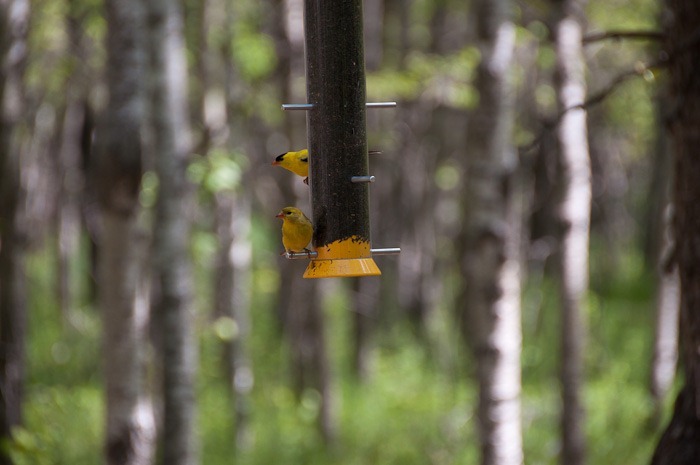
(298,162)
(296,230)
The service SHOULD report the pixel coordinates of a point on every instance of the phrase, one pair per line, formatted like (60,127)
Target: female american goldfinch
(298,162)
(296,230)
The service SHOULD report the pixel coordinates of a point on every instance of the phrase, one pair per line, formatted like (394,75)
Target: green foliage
(218,171)
(616,397)
(149,189)
(63,426)
(623,14)
(443,79)
(63,408)
(254,54)
(410,411)
(631,110)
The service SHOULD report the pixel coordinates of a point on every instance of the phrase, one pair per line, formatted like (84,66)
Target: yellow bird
(296,230)
(298,162)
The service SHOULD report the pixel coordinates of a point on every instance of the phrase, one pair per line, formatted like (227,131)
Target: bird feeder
(337,141)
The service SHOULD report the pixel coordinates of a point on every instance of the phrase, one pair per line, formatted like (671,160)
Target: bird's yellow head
(296,162)
(290,214)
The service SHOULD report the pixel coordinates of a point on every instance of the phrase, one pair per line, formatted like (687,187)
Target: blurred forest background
(151,317)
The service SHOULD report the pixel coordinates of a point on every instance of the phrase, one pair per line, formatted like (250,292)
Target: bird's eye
(288,213)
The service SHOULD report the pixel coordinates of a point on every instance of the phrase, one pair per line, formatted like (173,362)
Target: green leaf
(254,53)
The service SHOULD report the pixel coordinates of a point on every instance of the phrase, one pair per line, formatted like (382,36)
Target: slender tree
(173,275)
(490,300)
(123,297)
(70,171)
(310,361)
(234,213)
(365,296)
(659,246)
(665,358)
(680,442)
(417,279)
(574,220)
(14,23)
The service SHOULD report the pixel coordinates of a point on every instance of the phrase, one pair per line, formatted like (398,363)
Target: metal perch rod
(381,105)
(310,106)
(358,179)
(313,254)
(386,251)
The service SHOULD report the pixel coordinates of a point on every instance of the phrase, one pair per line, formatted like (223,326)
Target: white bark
(491,263)
(666,336)
(574,214)
(241,256)
(665,358)
(124,299)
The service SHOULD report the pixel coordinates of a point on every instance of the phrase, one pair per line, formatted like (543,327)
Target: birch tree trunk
(490,263)
(574,219)
(237,245)
(122,296)
(660,247)
(680,443)
(233,302)
(171,146)
(14,19)
(665,358)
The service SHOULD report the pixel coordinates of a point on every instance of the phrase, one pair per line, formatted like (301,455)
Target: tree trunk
(574,218)
(233,295)
(660,246)
(365,300)
(310,362)
(490,263)
(124,300)
(373,29)
(417,262)
(396,32)
(122,296)
(236,243)
(171,146)
(680,443)
(665,358)
(70,175)
(71,185)
(14,18)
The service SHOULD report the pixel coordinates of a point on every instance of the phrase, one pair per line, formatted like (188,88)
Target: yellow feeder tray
(343,259)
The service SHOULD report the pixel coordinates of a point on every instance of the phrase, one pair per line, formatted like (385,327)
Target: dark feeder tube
(337,139)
